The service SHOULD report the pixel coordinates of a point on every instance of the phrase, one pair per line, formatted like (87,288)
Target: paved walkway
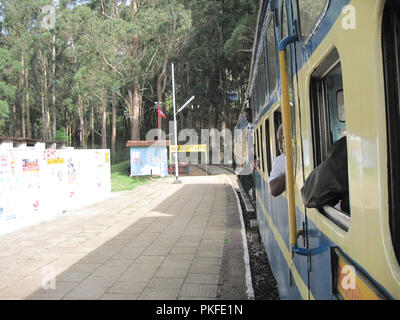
(160,241)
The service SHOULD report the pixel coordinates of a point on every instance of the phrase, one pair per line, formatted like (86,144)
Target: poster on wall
(54,180)
(148,161)
(31,186)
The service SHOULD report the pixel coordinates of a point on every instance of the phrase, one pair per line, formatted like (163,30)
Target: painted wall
(38,184)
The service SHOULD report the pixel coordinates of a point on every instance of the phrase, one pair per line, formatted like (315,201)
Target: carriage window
(253,101)
(262,78)
(327,104)
(257,144)
(391,54)
(310,12)
(261,149)
(271,56)
(284,27)
(256,95)
(267,146)
(277,123)
(340,105)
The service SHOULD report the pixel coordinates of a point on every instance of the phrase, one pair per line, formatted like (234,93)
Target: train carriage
(328,69)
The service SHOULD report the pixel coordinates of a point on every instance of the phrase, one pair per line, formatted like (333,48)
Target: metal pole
(175,129)
(186,103)
(159,141)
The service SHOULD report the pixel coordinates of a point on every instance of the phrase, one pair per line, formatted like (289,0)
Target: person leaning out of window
(277,179)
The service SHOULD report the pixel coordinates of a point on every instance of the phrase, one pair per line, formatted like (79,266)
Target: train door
(299,279)
(305,15)
(321,90)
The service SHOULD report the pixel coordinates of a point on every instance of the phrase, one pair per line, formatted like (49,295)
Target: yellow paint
(189,148)
(352,285)
(55,161)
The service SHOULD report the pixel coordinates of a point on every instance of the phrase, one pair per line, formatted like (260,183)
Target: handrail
(287,129)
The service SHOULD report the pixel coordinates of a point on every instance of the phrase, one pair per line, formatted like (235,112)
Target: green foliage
(241,39)
(4,115)
(61,135)
(103,48)
(120,179)
(122,154)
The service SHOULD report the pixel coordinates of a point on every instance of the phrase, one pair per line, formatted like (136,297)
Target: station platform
(161,241)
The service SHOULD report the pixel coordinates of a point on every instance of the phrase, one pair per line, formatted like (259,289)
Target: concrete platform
(159,241)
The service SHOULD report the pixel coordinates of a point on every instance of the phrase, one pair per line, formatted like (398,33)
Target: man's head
(248,115)
(281,139)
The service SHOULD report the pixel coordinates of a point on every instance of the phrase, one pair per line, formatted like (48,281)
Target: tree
(110,59)
(8,91)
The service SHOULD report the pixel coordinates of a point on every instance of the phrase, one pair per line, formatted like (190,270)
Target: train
(327,69)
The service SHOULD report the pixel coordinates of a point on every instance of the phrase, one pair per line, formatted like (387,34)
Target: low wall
(38,184)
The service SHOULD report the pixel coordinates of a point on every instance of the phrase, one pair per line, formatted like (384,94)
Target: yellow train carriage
(343,68)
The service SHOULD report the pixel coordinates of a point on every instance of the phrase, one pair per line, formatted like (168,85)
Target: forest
(91,73)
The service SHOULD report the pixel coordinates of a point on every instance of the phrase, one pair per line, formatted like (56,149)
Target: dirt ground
(264,283)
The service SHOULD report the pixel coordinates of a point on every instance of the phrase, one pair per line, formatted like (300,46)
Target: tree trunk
(212,123)
(104,121)
(137,104)
(53,87)
(222,113)
(135,6)
(28,112)
(162,80)
(113,127)
(68,130)
(21,87)
(13,120)
(43,117)
(135,101)
(46,108)
(82,132)
(92,125)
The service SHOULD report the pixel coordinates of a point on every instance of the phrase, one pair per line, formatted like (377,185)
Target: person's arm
(277,186)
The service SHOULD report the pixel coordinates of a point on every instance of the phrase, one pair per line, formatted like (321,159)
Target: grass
(120,179)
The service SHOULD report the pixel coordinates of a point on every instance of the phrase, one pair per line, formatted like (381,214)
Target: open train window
(328,122)
(391,57)
(253,102)
(256,137)
(261,149)
(327,106)
(257,95)
(284,26)
(262,78)
(268,146)
(277,123)
(270,44)
(311,12)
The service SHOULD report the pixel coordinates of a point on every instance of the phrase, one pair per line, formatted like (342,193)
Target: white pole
(186,103)
(175,128)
